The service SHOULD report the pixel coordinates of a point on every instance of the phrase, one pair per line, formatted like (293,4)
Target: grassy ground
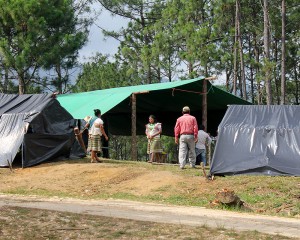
(152,183)
(23,223)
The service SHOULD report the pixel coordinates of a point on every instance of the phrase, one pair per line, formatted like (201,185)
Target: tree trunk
(297,86)
(283,86)
(251,71)
(235,51)
(59,78)
(267,53)
(5,85)
(21,85)
(243,79)
(256,53)
(277,79)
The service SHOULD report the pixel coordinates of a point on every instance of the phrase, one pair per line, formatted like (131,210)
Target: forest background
(253,45)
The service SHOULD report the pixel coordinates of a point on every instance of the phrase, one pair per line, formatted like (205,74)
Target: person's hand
(106,138)
(176,140)
(196,140)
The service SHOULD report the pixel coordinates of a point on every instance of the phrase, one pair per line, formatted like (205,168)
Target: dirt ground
(108,180)
(86,179)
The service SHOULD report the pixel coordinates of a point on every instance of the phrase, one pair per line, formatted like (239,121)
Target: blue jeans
(201,155)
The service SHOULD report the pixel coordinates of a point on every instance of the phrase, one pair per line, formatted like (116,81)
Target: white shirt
(96,130)
(203,137)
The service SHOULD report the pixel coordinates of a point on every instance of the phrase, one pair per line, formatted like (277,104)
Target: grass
(276,195)
(19,223)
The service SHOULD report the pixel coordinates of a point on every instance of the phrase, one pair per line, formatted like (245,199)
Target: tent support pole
(133,128)
(204,100)
(133,125)
(22,153)
(204,104)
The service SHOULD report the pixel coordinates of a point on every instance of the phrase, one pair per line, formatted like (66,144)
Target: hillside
(151,183)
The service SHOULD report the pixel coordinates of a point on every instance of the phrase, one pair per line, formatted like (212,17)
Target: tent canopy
(258,140)
(164,100)
(38,123)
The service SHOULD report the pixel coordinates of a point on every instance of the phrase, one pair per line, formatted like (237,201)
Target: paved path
(194,216)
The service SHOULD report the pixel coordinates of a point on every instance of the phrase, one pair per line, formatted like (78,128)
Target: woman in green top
(153,131)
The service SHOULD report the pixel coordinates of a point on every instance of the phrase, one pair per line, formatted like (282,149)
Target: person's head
(97,112)
(152,119)
(186,109)
(201,127)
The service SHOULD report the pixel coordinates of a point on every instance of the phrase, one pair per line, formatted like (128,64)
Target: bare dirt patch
(83,177)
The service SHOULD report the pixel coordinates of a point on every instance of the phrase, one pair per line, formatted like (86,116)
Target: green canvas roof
(164,100)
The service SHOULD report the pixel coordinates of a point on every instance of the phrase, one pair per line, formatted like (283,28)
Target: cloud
(96,40)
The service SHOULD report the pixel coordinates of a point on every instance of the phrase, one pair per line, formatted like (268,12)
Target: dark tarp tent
(164,100)
(258,140)
(38,124)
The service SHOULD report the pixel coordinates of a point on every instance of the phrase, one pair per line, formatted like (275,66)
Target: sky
(96,42)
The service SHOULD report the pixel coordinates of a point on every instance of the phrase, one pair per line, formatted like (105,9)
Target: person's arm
(86,125)
(208,139)
(103,132)
(195,130)
(177,131)
(147,131)
(158,130)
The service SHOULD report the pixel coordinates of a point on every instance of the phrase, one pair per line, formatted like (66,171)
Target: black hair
(201,127)
(97,112)
(153,117)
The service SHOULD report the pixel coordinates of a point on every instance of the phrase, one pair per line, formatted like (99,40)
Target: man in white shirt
(203,139)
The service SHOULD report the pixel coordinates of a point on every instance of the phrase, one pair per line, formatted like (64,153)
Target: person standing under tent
(96,130)
(186,135)
(203,140)
(153,132)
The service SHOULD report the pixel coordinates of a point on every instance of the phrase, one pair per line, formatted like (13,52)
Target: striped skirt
(94,143)
(154,146)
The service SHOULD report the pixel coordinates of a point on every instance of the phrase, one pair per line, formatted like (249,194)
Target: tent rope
(182,90)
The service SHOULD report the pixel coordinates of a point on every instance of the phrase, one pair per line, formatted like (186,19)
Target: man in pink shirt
(186,135)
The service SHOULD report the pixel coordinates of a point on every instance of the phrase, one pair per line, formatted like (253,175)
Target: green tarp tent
(164,100)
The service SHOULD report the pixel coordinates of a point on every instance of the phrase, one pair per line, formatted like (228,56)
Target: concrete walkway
(194,216)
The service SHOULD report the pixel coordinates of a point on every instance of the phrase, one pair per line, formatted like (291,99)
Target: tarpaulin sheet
(39,123)
(12,128)
(258,140)
(164,100)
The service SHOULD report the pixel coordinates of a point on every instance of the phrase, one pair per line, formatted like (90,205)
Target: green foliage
(38,34)
(102,73)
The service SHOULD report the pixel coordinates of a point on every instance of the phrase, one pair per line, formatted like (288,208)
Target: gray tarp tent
(258,140)
(36,122)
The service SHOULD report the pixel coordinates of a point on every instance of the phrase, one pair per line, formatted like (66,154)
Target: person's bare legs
(150,157)
(93,158)
(96,157)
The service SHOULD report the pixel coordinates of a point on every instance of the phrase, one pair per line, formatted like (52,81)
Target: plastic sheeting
(164,100)
(258,140)
(39,124)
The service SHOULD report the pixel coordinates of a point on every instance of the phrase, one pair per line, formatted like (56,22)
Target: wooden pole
(204,104)
(204,100)
(133,128)
(133,125)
